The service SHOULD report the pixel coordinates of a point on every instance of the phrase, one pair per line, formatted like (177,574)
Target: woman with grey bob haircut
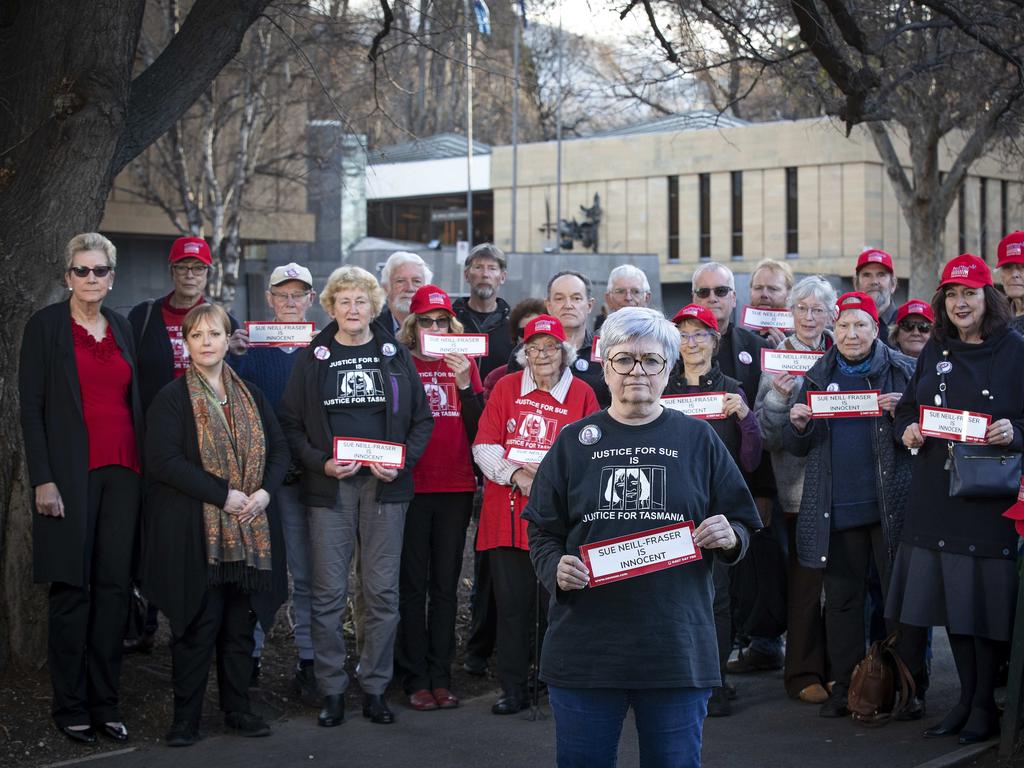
(804,667)
(632,323)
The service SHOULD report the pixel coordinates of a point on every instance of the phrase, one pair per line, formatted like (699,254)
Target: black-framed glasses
(101,271)
(721,291)
(651,364)
(188,269)
(910,326)
(429,322)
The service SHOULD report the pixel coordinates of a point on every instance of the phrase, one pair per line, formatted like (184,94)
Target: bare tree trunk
(73,117)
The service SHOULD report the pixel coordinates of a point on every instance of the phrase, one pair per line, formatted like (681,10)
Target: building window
(737,214)
(983,217)
(1004,204)
(673,218)
(705,215)
(961,219)
(792,218)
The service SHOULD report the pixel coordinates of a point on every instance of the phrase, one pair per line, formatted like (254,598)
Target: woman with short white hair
(645,639)
(805,674)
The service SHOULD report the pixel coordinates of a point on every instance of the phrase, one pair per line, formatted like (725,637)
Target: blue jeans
(588,724)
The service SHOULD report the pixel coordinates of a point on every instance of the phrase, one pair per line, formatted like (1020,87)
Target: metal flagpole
(469,124)
(558,142)
(515,124)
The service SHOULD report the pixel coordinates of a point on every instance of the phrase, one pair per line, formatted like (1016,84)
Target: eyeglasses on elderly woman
(651,364)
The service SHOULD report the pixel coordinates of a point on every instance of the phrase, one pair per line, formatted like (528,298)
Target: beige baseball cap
(291,271)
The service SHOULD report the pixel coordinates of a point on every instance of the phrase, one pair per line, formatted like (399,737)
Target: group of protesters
(222,474)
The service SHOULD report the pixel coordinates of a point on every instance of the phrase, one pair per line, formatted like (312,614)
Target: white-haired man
(403,274)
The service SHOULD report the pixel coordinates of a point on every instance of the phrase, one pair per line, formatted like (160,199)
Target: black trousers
(846,585)
(432,549)
(483,622)
(225,622)
(87,622)
(515,593)
(806,660)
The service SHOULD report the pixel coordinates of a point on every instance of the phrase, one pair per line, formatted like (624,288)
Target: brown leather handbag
(881,684)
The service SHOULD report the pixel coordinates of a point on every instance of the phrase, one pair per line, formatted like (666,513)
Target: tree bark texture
(71,117)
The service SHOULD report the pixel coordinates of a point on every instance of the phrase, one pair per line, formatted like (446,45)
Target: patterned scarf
(232,449)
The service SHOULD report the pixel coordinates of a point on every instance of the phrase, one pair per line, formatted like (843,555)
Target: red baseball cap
(190,248)
(544,324)
(915,307)
(966,269)
(874,256)
(696,312)
(430,297)
(1011,249)
(857,300)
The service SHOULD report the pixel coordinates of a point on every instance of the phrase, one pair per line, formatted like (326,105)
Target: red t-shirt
(530,422)
(447,464)
(105,379)
(173,318)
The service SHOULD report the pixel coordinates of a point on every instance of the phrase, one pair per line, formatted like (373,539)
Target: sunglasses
(910,327)
(84,271)
(430,322)
(721,291)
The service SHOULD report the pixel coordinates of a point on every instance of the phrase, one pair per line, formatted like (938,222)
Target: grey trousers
(333,533)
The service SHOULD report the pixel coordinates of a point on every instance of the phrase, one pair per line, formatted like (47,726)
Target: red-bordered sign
(844,405)
(703,405)
(760,318)
(951,424)
(269,334)
(788,361)
(441,344)
(635,554)
(380,452)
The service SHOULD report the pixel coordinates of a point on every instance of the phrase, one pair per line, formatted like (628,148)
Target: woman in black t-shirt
(354,382)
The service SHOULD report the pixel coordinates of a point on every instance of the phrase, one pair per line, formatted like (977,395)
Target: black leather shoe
(719,704)
(508,704)
(915,710)
(79,735)
(182,734)
(836,705)
(950,725)
(375,708)
(113,731)
(974,737)
(333,712)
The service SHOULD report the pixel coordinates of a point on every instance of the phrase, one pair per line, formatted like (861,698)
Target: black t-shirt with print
(603,479)
(353,392)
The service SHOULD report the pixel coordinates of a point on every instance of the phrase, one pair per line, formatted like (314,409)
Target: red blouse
(105,379)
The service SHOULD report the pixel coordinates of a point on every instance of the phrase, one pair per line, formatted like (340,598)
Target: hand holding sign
(889,401)
(571,573)
(734,405)
(460,366)
(1000,432)
(912,437)
(784,384)
(384,474)
(800,416)
(715,533)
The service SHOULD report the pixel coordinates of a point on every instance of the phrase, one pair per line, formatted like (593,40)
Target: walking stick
(535,712)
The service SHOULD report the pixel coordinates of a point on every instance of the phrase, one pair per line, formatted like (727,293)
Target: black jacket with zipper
(306,425)
(889,371)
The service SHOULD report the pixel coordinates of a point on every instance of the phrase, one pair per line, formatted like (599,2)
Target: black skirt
(968,595)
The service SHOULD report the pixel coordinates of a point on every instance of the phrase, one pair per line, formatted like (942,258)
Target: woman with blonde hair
(353,381)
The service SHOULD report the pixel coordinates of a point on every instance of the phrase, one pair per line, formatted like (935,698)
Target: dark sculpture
(571,231)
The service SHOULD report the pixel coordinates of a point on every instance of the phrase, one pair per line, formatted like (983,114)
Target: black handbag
(983,471)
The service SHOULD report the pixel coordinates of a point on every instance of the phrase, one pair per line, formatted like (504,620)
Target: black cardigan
(934,520)
(174,569)
(305,422)
(56,441)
